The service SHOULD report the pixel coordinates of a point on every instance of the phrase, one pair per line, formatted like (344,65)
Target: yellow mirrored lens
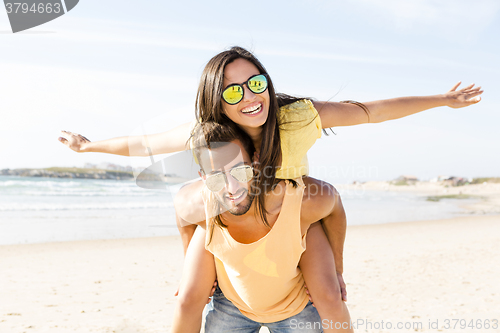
(257,84)
(233,94)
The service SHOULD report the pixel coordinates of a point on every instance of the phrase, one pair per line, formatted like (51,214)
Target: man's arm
(189,211)
(186,230)
(335,225)
(197,285)
(322,202)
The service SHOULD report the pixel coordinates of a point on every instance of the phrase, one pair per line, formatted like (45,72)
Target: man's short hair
(212,135)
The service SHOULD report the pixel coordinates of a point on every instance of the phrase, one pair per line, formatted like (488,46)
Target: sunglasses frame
(223,173)
(243,90)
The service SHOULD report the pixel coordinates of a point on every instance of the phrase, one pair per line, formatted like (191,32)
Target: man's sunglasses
(233,94)
(216,181)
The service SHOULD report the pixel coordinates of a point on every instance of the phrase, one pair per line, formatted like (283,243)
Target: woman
(229,91)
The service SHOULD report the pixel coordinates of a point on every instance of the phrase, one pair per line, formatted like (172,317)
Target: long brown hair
(209,108)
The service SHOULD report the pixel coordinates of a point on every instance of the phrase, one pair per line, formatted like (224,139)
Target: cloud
(115,32)
(455,19)
(34,94)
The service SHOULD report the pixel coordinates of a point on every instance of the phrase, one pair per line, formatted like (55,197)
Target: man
(256,264)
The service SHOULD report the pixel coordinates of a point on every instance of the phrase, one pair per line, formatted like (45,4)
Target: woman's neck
(256,136)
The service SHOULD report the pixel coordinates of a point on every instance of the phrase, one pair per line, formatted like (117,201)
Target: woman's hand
(74,141)
(463,97)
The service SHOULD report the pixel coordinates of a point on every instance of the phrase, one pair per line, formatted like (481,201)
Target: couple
(259,281)
(236,90)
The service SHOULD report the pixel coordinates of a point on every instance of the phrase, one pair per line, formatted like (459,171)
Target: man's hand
(342,285)
(343,290)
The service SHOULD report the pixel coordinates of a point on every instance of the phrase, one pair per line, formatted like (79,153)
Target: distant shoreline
(62,172)
(93,173)
(96,173)
(487,192)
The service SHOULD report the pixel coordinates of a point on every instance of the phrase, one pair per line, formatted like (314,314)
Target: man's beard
(240,208)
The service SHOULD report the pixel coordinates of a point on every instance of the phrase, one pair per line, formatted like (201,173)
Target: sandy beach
(414,272)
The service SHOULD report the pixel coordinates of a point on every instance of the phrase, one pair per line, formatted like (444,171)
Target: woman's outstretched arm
(345,114)
(142,145)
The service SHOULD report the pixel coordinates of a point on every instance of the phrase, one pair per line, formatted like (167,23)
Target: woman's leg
(318,267)
(198,277)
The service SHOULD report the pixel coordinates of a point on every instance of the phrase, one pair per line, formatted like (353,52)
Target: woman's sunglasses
(216,182)
(233,94)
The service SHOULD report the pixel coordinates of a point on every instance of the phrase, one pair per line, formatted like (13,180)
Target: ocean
(36,210)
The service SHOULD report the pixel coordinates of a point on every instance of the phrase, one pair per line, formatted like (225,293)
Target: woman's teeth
(253,109)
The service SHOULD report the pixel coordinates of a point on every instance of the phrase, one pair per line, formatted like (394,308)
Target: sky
(118,68)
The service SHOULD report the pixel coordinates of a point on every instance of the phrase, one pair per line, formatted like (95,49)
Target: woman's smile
(253,109)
